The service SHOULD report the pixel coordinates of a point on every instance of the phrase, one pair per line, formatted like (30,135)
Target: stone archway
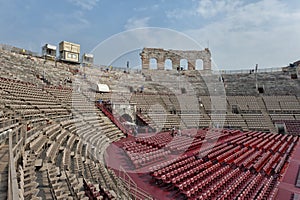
(127,117)
(127,111)
(175,55)
(168,64)
(152,63)
(184,64)
(199,64)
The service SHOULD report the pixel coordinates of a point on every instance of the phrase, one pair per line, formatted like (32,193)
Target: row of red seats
(233,185)
(223,156)
(177,140)
(271,163)
(276,146)
(142,155)
(248,191)
(176,167)
(264,189)
(284,137)
(252,142)
(204,168)
(200,178)
(269,142)
(278,137)
(213,155)
(260,163)
(185,183)
(290,138)
(249,160)
(272,136)
(148,158)
(280,164)
(219,134)
(134,147)
(236,155)
(268,145)
(253,133)
(181,160)
(159,140)
(207,188)
(283,147)
(183,172)
(263,135)
(261,145)
(244,156)
(256,142)
(145,154)
(182,143)
(209,148)
(237,186)
(234,138)
(173,175)
(243,141)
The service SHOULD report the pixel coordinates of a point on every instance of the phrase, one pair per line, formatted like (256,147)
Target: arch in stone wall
(152,63)
(199,64)
(161,55)
(184,63)
(168,64)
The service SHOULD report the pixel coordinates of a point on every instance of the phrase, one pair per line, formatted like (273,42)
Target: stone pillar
(175,63)
(145,63)
(191,64)
(207,64)
(207,59)
(160,65)
(145,59)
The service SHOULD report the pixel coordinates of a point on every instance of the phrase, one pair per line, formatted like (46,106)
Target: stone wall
(161,55)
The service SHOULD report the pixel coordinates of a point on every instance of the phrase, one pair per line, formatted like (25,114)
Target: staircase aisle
(267,117)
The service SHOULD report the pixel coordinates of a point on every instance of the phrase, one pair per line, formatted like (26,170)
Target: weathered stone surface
(161,55)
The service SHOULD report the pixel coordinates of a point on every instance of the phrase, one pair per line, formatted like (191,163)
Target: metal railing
(136,192)
(112,118)
(248,71)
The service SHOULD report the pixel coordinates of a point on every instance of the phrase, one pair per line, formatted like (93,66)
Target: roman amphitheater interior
(158,134)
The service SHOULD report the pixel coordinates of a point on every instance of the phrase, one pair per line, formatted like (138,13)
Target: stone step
(4,150)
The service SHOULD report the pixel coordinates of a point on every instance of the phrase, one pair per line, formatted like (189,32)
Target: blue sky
(240,33)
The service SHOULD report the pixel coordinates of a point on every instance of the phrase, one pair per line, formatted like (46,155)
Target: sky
(239,33)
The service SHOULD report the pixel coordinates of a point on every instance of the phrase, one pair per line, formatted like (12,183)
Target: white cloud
(266,32)
(205,9)
(179,14)
(113,48)
(85,4)
(146,8)
(209,8)
(136,23)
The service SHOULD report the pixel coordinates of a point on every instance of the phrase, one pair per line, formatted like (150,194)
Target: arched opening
(168,64)
(153,63)
(184,64)
(199,64)
(126,117)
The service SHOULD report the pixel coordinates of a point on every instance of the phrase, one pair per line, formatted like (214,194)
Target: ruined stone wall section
(161,55)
